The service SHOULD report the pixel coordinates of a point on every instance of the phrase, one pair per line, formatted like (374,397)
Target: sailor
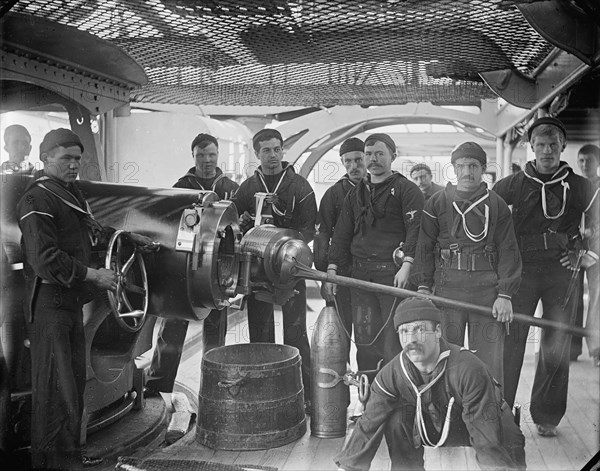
(433,394)
(204,175)
(421,175)
(467,251)
(58,233)
(17,142)
(588,161)
(292,205)
(548,200)
(352,156)
(379,216)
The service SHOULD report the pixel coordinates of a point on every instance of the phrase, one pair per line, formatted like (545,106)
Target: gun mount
(203,261)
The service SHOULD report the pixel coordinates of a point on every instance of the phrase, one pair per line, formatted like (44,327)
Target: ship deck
(576,444)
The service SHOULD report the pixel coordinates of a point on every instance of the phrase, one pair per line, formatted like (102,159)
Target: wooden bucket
(251,397)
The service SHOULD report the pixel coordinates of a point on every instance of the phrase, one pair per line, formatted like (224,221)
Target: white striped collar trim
(36,212)
(383,389)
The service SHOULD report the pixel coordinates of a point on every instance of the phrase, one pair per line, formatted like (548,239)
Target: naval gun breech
(303,271)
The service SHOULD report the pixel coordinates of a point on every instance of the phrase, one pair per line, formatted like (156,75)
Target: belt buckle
(454,249)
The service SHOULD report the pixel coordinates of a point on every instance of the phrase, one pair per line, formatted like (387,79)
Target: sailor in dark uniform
(467,249)
(58,233)
(352,156)
(433,394)
(380,215)
(548,200)
(293,206)
(205,175)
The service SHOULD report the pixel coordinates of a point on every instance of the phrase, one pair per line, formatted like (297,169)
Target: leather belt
(545,241)
(468,262)
(374,265)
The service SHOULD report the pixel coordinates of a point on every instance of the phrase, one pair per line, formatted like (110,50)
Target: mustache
(414,346)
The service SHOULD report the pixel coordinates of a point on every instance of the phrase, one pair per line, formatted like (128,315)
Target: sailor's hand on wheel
(102,278)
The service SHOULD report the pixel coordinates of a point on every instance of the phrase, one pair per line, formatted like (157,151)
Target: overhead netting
(308,53)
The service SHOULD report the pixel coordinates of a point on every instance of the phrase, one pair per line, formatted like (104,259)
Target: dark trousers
(577,342)
(486,335)
(169,347)
(58,379)
(371,312)
(548,282)
(261,327)
(404,456)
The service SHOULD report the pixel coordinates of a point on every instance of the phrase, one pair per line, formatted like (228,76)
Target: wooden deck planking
(253,457)
(326,450)
(577,440)
(277,457)
(301,453)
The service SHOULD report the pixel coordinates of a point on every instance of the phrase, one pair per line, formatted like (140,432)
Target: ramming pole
(302,271)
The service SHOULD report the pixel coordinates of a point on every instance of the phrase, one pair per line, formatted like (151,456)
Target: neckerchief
(548,198)
(371,201)
(74,199)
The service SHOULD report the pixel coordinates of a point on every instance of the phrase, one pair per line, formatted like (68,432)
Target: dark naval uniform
(546,212)
(171,336)
(222,185)
(375,219)
(468,250)
(329,211)
(458,404)
(433,189)
(295,208)
(57,231)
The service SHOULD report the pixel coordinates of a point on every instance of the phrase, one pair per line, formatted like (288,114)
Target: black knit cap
(200,138)
(547,120)
(469,149)
(381,137)
(265,135)
(354,144)
(416,309)
(60,137)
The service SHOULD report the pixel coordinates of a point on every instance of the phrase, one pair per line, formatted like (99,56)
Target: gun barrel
(304,271)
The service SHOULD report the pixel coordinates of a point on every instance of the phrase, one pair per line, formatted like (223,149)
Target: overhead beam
(559,75)
(95,95)
(337,122)
(565,26)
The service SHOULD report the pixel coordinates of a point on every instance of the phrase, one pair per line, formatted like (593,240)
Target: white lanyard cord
(419,412)
(483,234)
(262,179)
(273,207)
(565,186)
